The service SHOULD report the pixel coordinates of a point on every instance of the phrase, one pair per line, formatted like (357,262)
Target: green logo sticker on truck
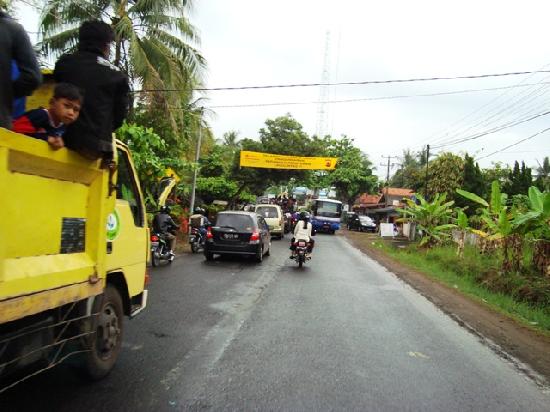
(113,226)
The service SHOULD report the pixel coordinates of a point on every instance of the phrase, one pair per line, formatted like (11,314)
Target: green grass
(525,297)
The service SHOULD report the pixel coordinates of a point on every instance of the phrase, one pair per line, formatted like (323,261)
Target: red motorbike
(301,252)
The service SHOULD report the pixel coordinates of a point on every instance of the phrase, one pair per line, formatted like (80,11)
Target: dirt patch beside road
(517,343)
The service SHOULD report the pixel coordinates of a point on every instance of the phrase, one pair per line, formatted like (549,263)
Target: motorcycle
(160,250)
(196,240)
(301,252)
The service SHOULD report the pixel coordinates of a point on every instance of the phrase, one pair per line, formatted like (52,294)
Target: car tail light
(154,238)
(255,237)
(209,234)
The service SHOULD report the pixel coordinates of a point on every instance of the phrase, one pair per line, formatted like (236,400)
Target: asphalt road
(341,333)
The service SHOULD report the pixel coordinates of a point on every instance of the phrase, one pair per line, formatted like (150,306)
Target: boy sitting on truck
(50,124)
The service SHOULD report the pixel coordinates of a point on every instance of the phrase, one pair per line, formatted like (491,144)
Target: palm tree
(152,41)
(231,139)
(5,5)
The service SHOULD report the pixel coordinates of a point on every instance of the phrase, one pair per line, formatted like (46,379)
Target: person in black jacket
(15,47)
(165,226)
(105,91)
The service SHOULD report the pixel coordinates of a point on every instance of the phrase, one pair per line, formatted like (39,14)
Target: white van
(273,215)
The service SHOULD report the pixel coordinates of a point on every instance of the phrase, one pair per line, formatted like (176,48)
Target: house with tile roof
(393,196)
(381,206)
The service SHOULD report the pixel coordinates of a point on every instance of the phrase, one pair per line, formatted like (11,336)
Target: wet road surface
(341,333)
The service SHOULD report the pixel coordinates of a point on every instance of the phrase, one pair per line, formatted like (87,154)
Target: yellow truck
(74,245)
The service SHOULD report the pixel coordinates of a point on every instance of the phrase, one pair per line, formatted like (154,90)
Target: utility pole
(197,155)
(387,176)
(427,161)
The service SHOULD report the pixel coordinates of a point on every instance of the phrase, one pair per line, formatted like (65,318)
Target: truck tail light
(209,234)
(255,237)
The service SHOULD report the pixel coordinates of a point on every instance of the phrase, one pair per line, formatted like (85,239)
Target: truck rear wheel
(106,339)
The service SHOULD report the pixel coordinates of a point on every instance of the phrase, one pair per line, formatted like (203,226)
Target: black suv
(362,223)
(238,233)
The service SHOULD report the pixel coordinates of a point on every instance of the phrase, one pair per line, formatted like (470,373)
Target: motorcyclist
(199,221)
(303,231)
(165,226)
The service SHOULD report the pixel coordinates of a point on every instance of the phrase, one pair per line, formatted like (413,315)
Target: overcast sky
(252,43)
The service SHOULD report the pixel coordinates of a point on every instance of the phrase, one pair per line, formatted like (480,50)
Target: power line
(282,86)
(514,144)
(365,99)
(28,3)
(449,132)
(498,129)
(512,108)
(431,138)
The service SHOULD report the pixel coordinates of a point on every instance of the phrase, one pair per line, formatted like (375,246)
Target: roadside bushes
(512,254)
(485,270)
(504,224)
(529,289)
(526,221)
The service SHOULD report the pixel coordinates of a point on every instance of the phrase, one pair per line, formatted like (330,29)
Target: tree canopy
(472,181)
(446,174)
(411,173)
(154,41)
(353,173)
(543,175)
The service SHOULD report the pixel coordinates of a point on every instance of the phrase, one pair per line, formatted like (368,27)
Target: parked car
(362,223)
(238,233)
(273,215)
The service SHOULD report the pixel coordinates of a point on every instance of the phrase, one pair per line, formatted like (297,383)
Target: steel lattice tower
(322,108)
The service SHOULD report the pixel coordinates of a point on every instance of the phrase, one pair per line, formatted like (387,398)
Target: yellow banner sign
(275,161)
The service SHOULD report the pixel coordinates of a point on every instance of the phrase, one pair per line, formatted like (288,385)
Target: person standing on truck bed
(105,91)
(15,47)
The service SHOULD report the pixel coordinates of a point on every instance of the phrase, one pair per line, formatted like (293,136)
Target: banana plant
(499,224)
(537,218)
(431,217)
(535,224)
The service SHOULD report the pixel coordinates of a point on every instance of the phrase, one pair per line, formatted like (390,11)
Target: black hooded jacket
(15,46)
(163,223)
(105,106)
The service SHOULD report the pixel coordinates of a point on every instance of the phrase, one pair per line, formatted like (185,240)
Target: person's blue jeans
(202,231)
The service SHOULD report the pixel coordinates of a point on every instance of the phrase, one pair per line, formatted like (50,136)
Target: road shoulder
(527,349)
